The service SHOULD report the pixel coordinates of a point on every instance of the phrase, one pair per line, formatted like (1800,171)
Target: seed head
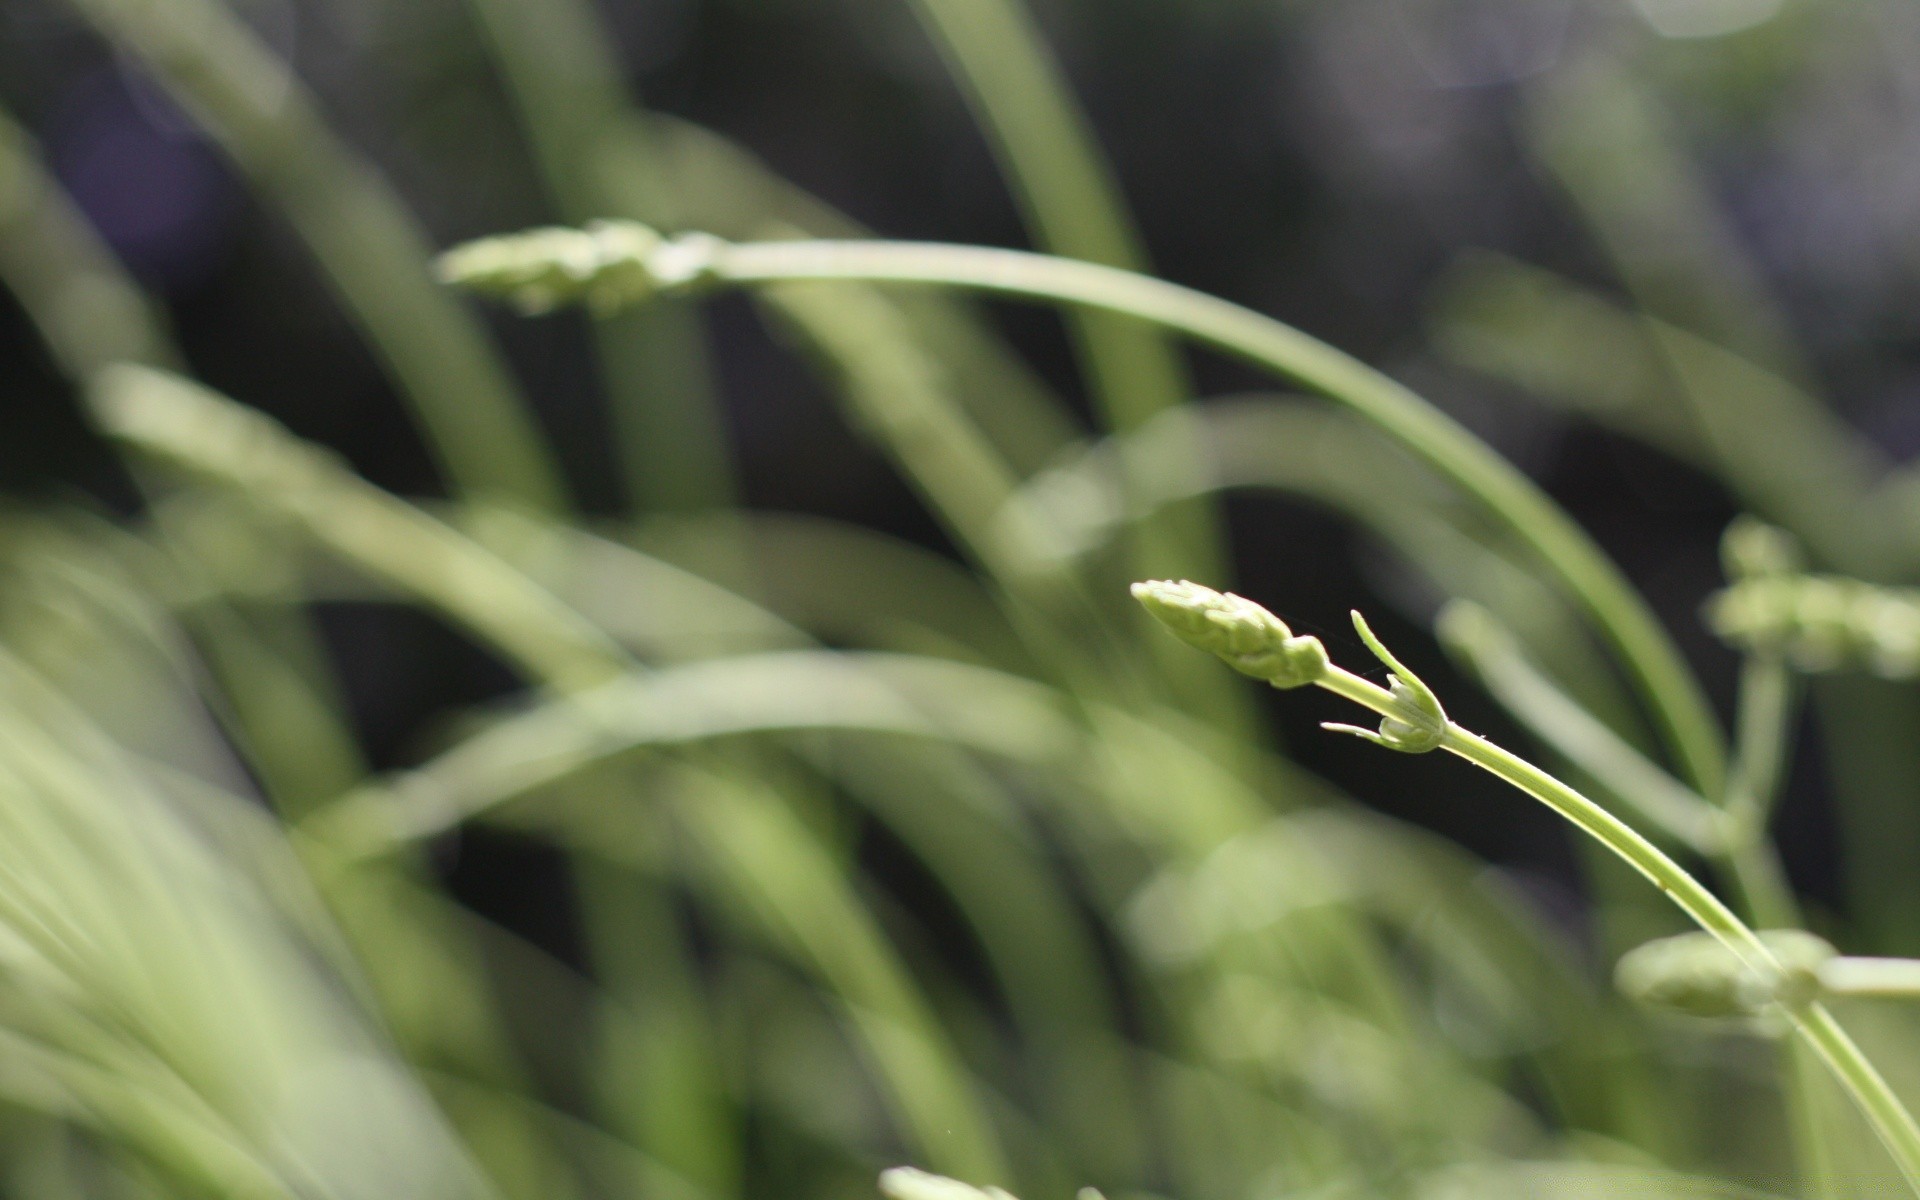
(606,267)
(1246,636)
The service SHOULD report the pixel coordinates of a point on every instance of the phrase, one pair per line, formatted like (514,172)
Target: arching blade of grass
(359,233)
(734,193)
(626,263)
(172,1001)
(202,432)
(795,691)
(1073,207)
(1788,456)
(763,852)
(89,313)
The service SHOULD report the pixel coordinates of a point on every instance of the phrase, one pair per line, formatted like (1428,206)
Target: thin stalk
(1669,690)
(1731,835)
(1886,978)
(1766,710)
(1582,739)
(1066,192)
(1072,206)
(1883,1109)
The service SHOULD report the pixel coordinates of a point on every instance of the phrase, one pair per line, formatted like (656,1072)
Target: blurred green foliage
(666,800)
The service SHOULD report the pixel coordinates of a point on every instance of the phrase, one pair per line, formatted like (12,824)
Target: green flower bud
(1695,973)
(1823,622)
(1246,636)
(606,266)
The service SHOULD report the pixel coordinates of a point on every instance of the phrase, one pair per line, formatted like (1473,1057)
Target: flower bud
(1246,636)
(1694,973)
(605,267)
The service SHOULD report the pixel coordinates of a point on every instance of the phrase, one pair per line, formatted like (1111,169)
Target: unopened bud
(606,267)
(1244,635)
(1695,973)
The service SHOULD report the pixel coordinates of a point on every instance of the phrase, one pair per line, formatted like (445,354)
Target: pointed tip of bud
(1246,636)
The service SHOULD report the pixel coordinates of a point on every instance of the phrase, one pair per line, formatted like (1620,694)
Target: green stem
(1891,978)
(1668,688)
(1890,1119)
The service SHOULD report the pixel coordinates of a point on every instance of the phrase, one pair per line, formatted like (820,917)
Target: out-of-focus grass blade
(1602,134)
(660,1075)
(737,196)
(1072,205)
(1782,449)
(909,599)
(761,864)
(204,433)
(960,819)
(360,235)
(798,690)
(87,310)
(562,76)
(171,1001)
(659,609)
(76,603)
(1576,1181)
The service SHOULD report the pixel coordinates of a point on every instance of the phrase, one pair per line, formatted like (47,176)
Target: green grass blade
(562,77)
(359,233)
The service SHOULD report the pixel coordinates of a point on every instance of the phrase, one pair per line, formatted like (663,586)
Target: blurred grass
(868,854)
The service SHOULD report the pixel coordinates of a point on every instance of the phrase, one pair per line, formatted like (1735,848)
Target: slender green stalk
(361,236)
(1762,724)
(1884,977)
(1255,642)
(1667,687)
(690,262)
(1559,721)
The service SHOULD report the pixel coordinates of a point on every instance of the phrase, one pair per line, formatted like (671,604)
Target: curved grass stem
(1665,684)
(1255,642)
(1889,1117)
